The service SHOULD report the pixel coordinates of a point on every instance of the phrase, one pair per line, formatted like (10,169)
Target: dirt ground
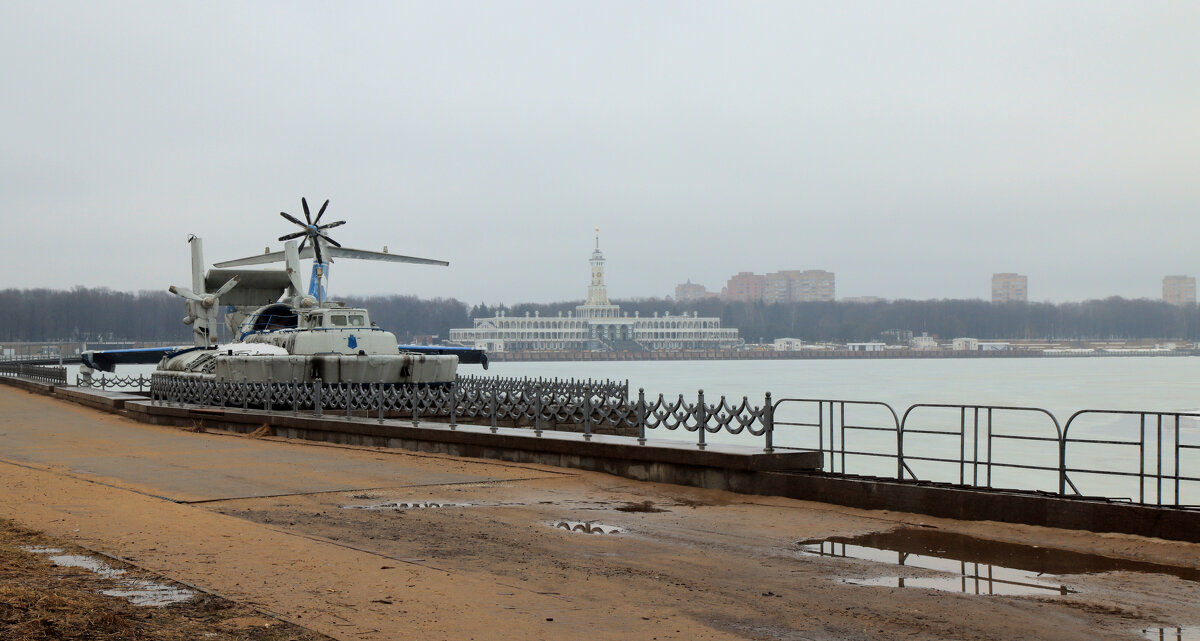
(43,601)
(361,543)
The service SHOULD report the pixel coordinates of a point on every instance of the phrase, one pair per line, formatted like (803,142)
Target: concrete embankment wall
(737,469)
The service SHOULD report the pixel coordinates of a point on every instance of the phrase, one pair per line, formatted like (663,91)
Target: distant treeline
(100,314)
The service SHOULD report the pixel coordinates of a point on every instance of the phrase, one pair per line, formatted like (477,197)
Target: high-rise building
(1009,287)
(789,286)
(746,286)
(1179,290)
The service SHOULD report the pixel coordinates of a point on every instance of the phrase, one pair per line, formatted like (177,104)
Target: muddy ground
(359,543)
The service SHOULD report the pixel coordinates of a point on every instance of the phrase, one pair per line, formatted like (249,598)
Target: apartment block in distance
(790,286)
(795,286)
(745,286)
(1009,288)
(1179,290)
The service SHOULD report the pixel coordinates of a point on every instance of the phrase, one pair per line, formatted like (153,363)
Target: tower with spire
(597,304)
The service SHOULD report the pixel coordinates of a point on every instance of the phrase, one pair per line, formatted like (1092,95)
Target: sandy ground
(468,549)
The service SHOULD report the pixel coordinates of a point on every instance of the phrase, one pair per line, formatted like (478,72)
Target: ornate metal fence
(140,383)
(42,373)
(506,402)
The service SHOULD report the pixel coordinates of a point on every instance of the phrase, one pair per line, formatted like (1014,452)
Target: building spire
(597,239)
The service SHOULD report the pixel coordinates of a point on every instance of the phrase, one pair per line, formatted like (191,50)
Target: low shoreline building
(596,325)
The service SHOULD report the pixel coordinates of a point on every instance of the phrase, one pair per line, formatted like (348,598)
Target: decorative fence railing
(1149,458)
(43,373)
(527,403)
(139,383)
(571,387)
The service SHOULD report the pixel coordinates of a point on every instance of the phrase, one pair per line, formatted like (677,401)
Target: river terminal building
(596,325)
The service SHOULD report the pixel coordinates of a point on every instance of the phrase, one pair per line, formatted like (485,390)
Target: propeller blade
(292,218)
(306,252)
(364,254)
(322,212)
(186,293)
(227,286)
(305,204)
(329,240)
(317,247)
(332,225)
(295,235)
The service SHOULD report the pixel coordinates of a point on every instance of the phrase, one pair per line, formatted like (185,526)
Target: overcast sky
(911,148)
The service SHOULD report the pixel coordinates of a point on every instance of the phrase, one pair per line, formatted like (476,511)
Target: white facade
(596,325)
(924,341)
(788,344)
(865,347)
(965,344)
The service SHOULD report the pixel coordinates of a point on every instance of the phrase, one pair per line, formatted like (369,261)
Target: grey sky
(912,148)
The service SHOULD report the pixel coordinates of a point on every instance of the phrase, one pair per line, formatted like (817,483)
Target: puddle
(644,506)
(397,505)
(136,591)
(977,566)
(41,549)
(586,527)
(1172,634)
(146,593)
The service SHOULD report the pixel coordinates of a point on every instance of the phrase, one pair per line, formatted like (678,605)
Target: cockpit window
(356,320)
(315,321)
(337,319)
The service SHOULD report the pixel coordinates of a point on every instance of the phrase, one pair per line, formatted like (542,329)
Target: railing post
(416,403)
(537,412)
(245,394)
(269,397)
(379,400)
(701,418)
(587,413)
(296,397)
(453,405)
(769,416)
(318,396)
(349,399)
(492,402)
(641,415)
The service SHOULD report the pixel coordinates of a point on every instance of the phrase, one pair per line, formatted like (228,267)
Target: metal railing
(140,382)
(42,373)
(507,400)
(993,446)
(1161,447)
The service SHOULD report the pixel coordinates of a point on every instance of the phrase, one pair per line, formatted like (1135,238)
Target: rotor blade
(301,248)
(306,252)
(317,247)
(364,254)
(306,216)
(292,218)
(185,292)
(329,240)
(227,286)
(272,257)
(322,212)
(295,235)
(333,224)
